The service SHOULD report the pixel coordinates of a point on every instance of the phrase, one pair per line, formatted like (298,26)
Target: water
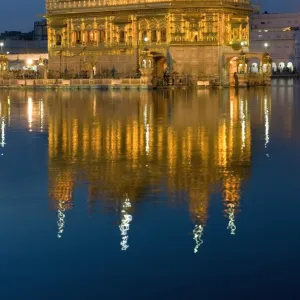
(150,195)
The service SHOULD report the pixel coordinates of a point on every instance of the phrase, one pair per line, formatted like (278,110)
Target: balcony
(68,6)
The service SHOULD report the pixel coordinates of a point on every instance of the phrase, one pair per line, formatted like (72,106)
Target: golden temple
(195,38)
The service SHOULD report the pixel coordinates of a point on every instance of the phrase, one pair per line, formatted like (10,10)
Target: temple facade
(195,38)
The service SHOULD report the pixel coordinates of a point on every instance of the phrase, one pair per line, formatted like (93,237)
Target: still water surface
(150,195)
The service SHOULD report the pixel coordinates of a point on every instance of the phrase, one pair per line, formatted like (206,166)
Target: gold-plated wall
(103,39)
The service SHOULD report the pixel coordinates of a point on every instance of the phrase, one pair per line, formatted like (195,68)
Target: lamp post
(1,46)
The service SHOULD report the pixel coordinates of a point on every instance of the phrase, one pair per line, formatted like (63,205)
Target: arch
(254,67)
(274,67)
(58,39)
(153,24)
(163,35)
(281,67)
(232,69)
(144,24)
(154,35)
(122,36)
(290,67)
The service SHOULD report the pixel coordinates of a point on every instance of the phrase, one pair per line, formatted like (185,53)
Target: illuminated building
(189,38)
(279,31)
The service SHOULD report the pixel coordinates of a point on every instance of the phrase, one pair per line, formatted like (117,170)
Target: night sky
(20,14)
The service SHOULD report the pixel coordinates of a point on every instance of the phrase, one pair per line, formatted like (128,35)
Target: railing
(124,82)
(64,5)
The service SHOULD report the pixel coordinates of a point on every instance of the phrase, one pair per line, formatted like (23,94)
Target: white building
(276,33)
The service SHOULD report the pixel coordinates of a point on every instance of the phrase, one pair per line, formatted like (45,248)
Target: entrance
(160,66)
(232,70)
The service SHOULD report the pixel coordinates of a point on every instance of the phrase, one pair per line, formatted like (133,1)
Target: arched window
(58,39)
(102,36)
(153,36)
(144,35)
(122,36)
(78,37)
(163,35)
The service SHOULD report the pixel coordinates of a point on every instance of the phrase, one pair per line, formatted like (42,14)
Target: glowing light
(29,62)
(198,232)
(231,226)
(8,102)
(42,115)
(60,219)
(147,131)
(145,115)
(125,224)
(147,147)
(29,112)
(94,106)
(243,124)
(2,133)
(267,123)
(231,110)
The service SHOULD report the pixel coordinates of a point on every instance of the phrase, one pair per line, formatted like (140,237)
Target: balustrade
(64,5)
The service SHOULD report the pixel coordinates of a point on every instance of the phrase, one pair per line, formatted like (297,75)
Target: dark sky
(20,14)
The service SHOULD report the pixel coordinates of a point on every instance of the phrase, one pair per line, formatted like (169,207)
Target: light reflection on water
(119,143)
(131,147)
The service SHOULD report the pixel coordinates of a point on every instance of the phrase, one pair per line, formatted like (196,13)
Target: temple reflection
(122,145)
(4,119)
(126,143)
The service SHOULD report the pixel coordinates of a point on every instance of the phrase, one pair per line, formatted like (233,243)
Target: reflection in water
(125,145)
(42,115)
(198,231)
(126,218)
(30,113)
(2,132)
(231,226)
(60,219)
(267,122)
